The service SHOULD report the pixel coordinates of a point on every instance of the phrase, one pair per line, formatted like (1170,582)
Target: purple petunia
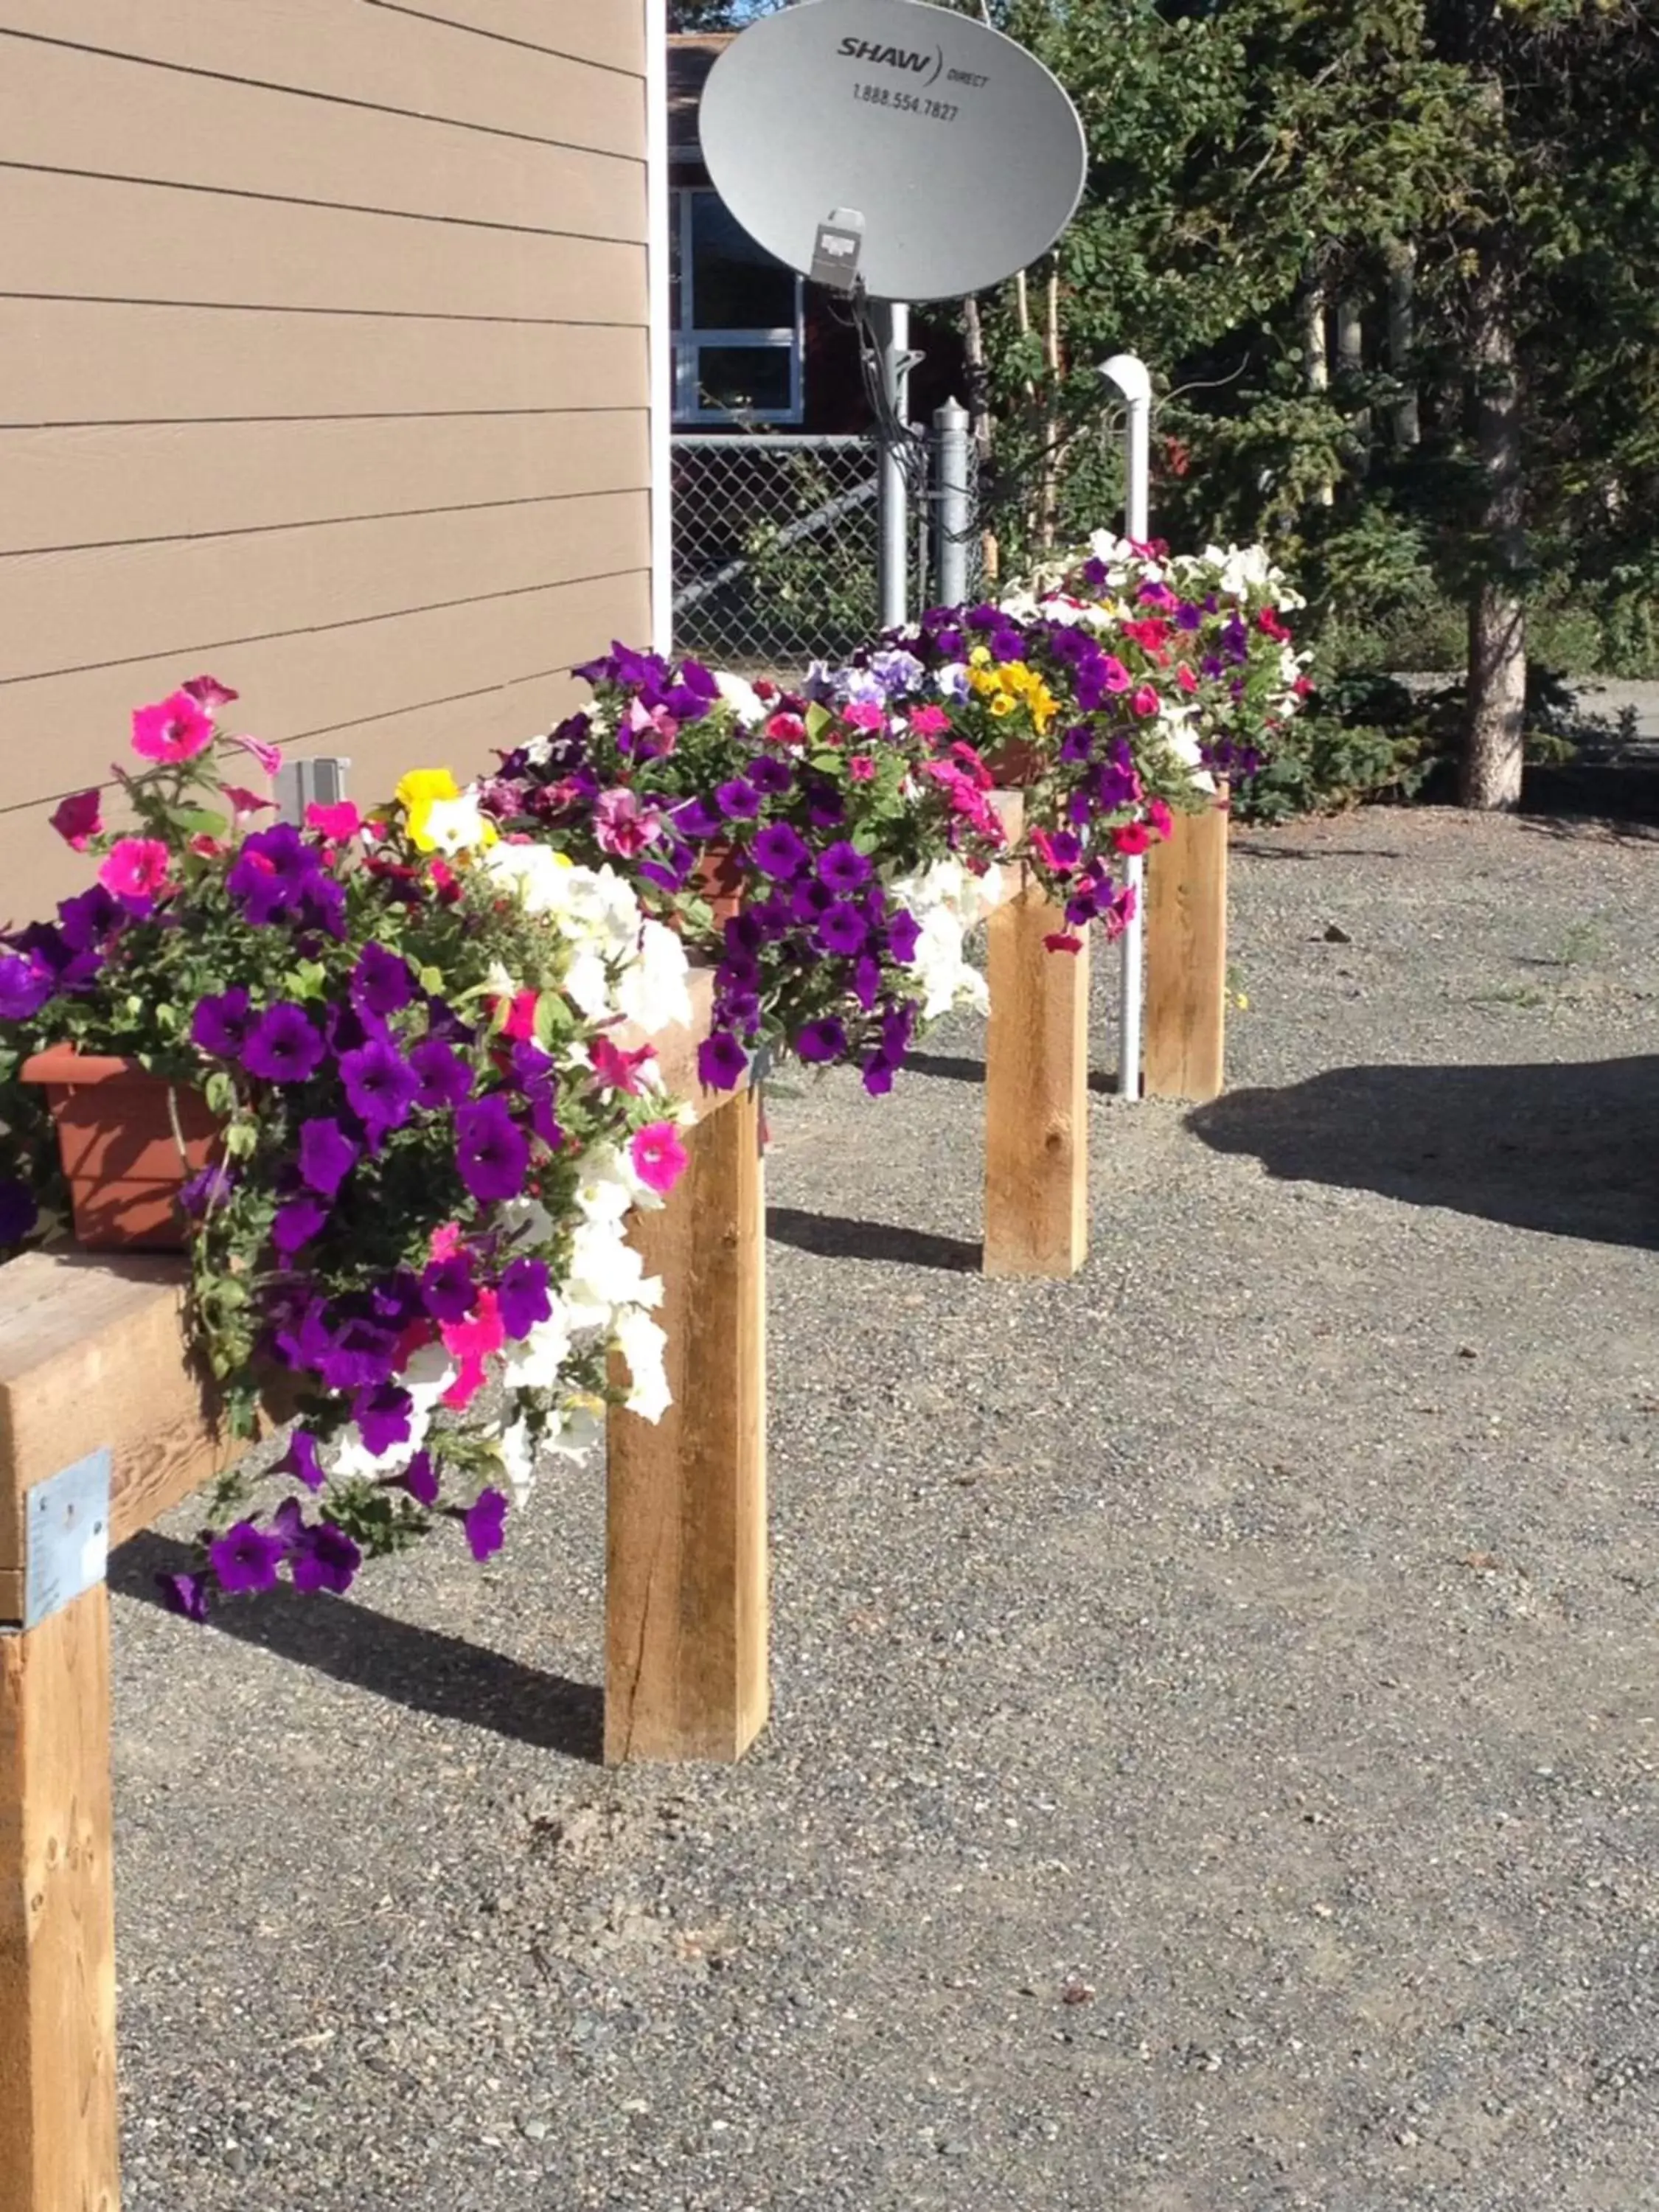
(421,1478)
(274,871)
(770,776)
(380,1085)
(302,1461)
(199,1193)
(380,983)
(327,1155)
(382,1416)
(780,852)
(524,1297)
(185,1595)
(447,1290)
(284,1045)
(879,1075)
(867,981)
(245,1558)
(696,819)
(295,1225)
(485,1523)
(738,800)
(843,931)
(722,1063)
(492,1153)
(843,867)
(445,1078)
(18,1210)
(821,1041)
(25,987)
(221,1025)
(903,935)
(324,1559)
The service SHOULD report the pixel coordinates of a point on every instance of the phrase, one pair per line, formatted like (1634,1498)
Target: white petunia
(457,826)
(655,990)
(741,696)
(643,1344)
(538,1362)
(517,1460)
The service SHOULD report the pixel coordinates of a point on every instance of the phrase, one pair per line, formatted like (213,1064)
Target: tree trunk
(979,406)
(1495,735)
(1316,355)
(1402,341)
(1350,366)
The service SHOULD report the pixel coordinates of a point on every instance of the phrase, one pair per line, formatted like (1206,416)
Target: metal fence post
(954,498)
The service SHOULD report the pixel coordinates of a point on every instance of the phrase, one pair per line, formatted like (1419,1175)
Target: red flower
(1133,838)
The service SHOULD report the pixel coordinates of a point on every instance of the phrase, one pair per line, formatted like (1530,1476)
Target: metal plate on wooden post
(67,1536)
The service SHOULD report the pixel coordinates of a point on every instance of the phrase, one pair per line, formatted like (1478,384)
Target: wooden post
(1187,958)
(686,1628)
(1037,1088)
(59,2150)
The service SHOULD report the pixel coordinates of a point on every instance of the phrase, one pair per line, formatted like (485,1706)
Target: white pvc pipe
(1133,379)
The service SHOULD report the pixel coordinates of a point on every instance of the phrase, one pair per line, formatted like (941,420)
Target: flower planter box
(118,1130)
(720,879)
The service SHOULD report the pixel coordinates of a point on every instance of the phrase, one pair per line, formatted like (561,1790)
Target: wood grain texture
(107,486)
(686,1619)
(1185,1050)
(341,50)
(97,239)
(59,2148)
(1036,1093)
(76,361)
(187,599)
(65,108)
(93,1351)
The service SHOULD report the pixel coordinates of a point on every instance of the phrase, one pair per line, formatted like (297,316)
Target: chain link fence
(776,547)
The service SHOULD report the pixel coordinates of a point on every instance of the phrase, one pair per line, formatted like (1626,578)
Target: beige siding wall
(323,369)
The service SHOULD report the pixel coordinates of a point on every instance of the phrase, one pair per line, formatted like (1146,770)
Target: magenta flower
(79,819)
(208,691)
(284,1045)
(621,825)
(244,1559)
(269,757)
(173,729)
(1145,700)
(659,1156)
(336,823)
(1115,676)
(136,868)
(491,1152)
(485,1524)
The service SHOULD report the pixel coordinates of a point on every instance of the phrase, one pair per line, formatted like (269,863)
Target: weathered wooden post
(102,1427)
(1187,958)
(686,1612)
(1037,1083)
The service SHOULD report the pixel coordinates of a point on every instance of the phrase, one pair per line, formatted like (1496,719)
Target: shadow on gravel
(412,1666)
(830,1237)
(1571,1149)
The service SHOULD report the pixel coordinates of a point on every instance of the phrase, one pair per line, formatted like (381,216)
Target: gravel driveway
(1217,1699)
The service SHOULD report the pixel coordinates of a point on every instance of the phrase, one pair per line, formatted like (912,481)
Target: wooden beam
(686,1625)
(59,2148)
(1187,958)
(1037,1091)
(93,1351)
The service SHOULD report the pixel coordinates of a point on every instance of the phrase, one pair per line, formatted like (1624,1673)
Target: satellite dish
(926,149)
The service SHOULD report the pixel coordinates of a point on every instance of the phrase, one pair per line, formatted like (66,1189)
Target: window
(737,316)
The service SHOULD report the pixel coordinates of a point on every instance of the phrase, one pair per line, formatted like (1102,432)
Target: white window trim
(690,339)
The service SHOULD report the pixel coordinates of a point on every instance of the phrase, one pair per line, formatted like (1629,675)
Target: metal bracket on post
(318,781)
(66,1538)
(1132,378)
(954,498)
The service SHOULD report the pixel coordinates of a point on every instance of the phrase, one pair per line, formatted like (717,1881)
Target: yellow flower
(422,785)
(1003,704)
(980,657)
(983,681)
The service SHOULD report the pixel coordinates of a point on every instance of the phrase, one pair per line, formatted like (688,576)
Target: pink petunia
(243,803)
(621,825)
(1185,677)
(659,1158)
(470,1344)
(173,729)
(269,757)
(930,721)
(206,848)
(1114,675)
(861,768)
(786,730)
(1145,700)
(336,823)
(445,1241)
(864,715)
(136,868)
(1062,940)
(614,1069)
(79,819)
(208,691)
(1158,815)
(1133,838)
(521,1023)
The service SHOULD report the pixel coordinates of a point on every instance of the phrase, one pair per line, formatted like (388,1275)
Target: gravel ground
(1217,1708)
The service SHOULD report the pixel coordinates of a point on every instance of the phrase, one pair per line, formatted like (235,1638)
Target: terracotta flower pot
(119,1148)
(1017,765)
(720,879)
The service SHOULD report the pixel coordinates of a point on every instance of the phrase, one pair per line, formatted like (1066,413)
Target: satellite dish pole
(1130,375)
(893,334)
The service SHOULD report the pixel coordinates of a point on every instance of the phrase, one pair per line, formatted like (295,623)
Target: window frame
(690,337)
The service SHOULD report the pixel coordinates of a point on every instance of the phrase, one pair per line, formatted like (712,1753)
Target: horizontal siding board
(341,50)
(102,485)
(63,108)
(63,360)
(59,733)
(93,238)
(611,32)
(60,611)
